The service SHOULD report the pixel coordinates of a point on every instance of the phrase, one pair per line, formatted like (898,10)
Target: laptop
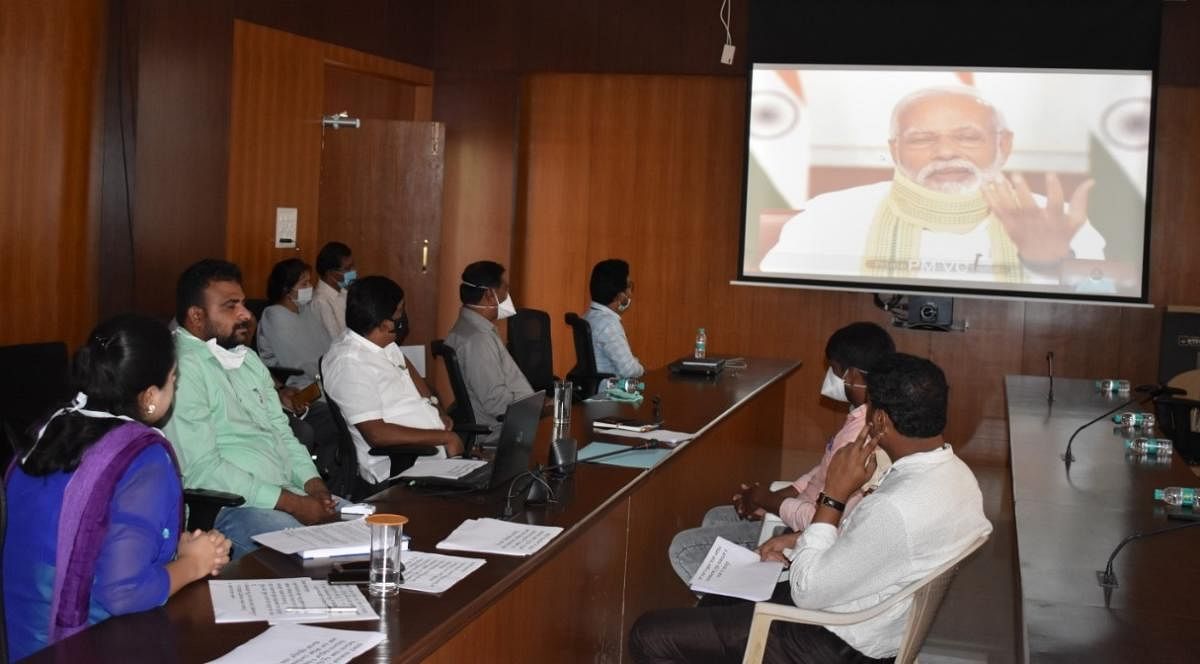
(513,451)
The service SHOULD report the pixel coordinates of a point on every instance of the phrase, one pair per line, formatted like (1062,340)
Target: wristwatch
(831,502)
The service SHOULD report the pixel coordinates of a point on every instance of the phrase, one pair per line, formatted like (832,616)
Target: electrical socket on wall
(285,227)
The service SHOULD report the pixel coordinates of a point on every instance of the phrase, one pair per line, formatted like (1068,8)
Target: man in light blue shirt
(612,293)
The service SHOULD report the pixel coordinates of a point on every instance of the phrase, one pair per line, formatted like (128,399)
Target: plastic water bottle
(1152,446)
(1174,495)
(1110,385)
(1132,420)
(701,344)
(623,384)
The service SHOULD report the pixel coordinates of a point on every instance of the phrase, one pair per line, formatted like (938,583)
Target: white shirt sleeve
(831,568)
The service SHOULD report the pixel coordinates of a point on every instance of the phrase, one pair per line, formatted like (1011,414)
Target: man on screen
(948,212)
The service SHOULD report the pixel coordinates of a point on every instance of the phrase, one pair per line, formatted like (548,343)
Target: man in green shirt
(228,427)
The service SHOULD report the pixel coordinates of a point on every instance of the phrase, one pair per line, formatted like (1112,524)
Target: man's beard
(230,341)
(978,176)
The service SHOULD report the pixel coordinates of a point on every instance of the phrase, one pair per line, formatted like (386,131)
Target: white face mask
(834,387)
(304,296)
(229,359)
(506,308)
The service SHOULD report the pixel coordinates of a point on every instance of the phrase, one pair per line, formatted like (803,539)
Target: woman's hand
(772,549)
(203,553)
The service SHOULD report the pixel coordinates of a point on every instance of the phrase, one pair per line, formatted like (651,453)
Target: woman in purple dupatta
(95,503)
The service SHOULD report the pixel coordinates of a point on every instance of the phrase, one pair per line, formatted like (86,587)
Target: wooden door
(381,193)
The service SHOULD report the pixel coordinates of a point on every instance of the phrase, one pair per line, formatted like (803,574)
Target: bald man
(948,212)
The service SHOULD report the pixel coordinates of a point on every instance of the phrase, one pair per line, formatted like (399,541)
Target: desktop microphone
(1107,578)
(1050,372)
(1152,390)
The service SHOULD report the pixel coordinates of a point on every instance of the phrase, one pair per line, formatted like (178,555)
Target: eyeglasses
(968,139)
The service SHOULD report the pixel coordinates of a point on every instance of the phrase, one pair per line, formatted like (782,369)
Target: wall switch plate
(727,54)
(285,227)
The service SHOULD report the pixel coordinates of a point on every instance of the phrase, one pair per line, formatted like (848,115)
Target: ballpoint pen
(321,609)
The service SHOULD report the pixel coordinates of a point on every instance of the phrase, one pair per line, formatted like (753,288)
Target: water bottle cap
(1158,494)
(641,386)
(701,330)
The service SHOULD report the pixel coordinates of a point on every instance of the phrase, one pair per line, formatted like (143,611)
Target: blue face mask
(348,278)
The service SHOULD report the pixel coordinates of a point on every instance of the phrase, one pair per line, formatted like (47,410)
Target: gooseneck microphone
(1150,391)
(1107,577)
(1050,373)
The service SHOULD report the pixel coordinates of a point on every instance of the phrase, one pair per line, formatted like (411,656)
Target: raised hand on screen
(1042,234)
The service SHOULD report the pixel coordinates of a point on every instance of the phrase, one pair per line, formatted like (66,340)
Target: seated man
(335,272)
(228,428)
(382,398)
(612,293)
(851,354)
(492,376)
(926,511)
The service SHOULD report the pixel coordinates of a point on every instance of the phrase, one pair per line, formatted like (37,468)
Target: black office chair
(584,374)
(341,476)
(1179,420)
(35,381)
(530,347)
(461,411)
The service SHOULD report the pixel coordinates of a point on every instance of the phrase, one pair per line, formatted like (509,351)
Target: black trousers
(716,632)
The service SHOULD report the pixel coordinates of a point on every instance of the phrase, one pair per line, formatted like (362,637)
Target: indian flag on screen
(779,136)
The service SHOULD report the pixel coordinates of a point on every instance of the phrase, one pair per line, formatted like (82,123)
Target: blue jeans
(690,547)
(241,524)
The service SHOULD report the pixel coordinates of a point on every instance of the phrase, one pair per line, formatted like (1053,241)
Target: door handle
(425,256)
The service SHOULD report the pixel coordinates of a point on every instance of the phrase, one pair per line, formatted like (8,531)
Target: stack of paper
(298,600)
(300,644)
(451,469)
(342,538)
(665,436)
(735,571)
(500,537)
(434,572)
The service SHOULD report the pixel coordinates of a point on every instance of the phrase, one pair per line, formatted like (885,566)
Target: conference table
(575,599)
(1070,519)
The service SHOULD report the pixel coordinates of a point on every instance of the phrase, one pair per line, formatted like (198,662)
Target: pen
(321,609)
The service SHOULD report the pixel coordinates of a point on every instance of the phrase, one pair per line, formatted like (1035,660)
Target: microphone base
(1106,580)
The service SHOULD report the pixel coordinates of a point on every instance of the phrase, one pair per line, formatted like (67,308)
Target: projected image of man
(949,212)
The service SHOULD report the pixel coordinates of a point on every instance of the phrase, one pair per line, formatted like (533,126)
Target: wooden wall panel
(51,73)
(644,168)
(275,138)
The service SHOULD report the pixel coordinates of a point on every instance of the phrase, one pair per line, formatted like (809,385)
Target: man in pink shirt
(850,354)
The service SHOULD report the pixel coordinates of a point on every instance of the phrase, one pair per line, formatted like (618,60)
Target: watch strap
(831,502)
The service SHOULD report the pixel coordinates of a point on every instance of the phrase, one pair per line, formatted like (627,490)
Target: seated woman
(96,518)
(290,333)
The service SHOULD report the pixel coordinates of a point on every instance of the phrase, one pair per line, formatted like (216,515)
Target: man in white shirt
(612,294)
(948,213)
(926,511)
(335,269)
(383,400)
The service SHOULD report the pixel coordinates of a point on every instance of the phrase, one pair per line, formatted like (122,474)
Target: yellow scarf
(894,241)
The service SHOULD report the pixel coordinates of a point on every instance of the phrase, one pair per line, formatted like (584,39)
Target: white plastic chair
(927,595)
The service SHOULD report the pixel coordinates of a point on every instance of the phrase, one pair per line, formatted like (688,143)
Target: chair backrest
(461,410)
(530,347)
(926,600)
(1179,419)
(340,473)
(584,373)
(36,380)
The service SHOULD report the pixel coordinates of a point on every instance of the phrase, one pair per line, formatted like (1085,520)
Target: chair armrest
(203,505)
(405,449)
(283,373)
